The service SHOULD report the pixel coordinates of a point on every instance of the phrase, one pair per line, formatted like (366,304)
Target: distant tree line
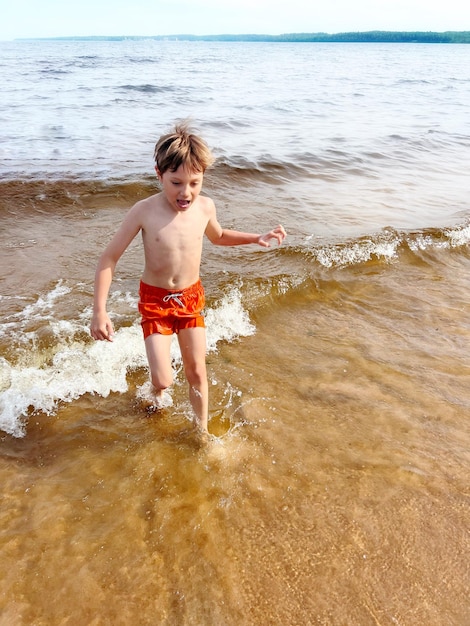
(381,36)
(373,36)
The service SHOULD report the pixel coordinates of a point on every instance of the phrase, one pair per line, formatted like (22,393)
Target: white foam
(459,236)
(77,366)
(146,394)
(358,252)
(44,304)
(228,320)
(386,246)
(75,369)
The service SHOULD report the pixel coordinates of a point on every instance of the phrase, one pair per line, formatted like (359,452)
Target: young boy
(173,223)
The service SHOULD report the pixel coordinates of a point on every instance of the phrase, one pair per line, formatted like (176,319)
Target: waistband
(162,292)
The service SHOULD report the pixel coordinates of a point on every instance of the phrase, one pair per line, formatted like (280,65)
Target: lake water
(335,489)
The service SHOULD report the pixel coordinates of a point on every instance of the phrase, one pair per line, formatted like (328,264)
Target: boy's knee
(196,373)
(161,382)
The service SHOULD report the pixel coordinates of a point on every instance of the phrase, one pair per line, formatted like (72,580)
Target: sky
(60,18)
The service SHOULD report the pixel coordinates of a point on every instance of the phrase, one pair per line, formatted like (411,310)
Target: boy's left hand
(277,233)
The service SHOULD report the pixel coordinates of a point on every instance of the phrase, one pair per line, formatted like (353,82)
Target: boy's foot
(203,435)
(152,401)
(162,401)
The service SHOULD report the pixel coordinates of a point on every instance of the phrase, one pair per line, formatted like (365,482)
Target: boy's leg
(192,343)
(158,355)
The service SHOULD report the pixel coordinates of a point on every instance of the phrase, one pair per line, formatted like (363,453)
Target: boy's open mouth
(183,204)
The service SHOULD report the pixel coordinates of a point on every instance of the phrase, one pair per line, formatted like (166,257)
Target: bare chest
(178,234)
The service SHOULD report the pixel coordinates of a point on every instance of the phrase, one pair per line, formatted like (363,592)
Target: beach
(334,489)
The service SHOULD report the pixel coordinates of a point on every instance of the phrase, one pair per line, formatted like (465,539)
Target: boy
(173,223)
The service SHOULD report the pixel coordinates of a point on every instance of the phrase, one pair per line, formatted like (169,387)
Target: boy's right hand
(101,327)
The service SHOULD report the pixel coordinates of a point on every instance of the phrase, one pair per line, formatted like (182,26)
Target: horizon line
(300,35)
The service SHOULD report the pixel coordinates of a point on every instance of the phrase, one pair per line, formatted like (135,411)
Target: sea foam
(80,366)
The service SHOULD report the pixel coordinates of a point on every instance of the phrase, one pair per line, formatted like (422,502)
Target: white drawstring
(173,296)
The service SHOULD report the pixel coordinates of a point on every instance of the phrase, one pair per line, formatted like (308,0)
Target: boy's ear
(159,174)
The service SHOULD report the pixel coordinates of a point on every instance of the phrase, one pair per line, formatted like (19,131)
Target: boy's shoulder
(206,203)
(146,204)
(153,200)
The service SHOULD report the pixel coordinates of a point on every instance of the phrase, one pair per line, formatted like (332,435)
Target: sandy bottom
(334,490)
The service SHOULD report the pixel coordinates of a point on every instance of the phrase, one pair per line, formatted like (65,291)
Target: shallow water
(335,487)
(336,490)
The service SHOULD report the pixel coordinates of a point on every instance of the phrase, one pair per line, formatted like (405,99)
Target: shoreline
(374,36)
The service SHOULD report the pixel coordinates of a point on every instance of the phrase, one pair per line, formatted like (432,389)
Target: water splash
(75,365)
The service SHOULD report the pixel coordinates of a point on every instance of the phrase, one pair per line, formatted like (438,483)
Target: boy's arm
(101,326)
(226,237)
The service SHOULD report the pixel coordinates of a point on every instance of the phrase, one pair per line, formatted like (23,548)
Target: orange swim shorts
(169,311)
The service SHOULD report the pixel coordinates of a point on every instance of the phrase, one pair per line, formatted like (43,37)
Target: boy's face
(181,187)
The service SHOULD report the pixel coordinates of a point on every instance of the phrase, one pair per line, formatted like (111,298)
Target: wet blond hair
(182,147)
